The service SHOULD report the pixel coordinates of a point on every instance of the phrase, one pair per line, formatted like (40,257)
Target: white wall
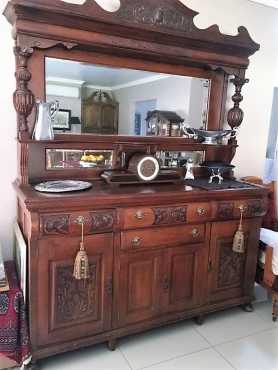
(262,23)
(8,148)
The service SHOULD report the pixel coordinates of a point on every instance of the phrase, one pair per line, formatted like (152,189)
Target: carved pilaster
(23,98)
(236,114)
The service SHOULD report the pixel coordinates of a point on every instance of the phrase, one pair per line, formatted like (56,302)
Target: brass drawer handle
(139,215)
(201,211)
(195,233)
(136,242)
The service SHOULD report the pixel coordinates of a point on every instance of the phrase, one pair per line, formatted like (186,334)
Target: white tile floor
(232,339)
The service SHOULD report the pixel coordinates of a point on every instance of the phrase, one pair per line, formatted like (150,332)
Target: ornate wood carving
(236,114)
(23,98)
(157,16)
(225,210)
(256,208)
(231,265)
(102,221)
(168,216)
(55,224)
(74,300)
(27,42)
(23,159)
(168,17)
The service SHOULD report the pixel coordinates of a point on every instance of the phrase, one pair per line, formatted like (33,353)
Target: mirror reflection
(116,101)
(63,159)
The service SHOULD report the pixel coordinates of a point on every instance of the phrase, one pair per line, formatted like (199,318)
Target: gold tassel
(81,264)
(239,242)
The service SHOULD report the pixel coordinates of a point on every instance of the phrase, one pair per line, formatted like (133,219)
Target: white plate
(62,186)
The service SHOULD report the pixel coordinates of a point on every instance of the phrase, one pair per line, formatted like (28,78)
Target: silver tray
(62,186)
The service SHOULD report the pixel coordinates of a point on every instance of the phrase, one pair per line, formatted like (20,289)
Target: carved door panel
(232,274)
(109,119)
(91,118)
(139,286)
(68,308)
(184,278)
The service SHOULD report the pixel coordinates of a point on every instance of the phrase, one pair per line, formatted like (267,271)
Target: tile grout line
(173,358)
(243,337)
(126,360)
(224,358)
(213,348)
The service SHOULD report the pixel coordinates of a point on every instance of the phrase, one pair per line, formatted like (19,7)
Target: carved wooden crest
(169,17)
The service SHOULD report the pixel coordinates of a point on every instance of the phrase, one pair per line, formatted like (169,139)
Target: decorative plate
(62,186)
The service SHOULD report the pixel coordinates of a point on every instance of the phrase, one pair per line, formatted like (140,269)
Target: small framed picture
(62,120)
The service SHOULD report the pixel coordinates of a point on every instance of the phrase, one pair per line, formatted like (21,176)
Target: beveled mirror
(104,100)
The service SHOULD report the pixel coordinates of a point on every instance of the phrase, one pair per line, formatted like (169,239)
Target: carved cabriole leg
(275,307)
(23,98)
(236,114)
(112,344)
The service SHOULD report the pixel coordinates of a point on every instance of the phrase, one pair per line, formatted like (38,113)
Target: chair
(265,276)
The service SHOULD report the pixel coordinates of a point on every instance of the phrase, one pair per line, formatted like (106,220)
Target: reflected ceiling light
(272,3)
(78,2)
(108,5)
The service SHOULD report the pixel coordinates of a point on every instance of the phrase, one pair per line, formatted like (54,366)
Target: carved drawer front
(153,216)
(199,212)
(69,223)
(252,208)
(160,237)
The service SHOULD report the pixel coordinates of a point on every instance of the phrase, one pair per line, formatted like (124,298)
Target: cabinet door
(232,274)
(139,286)
(91,118)
(68,308)
(184,280)
(109,119)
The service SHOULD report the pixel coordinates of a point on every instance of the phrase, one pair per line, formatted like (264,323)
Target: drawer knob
(201,211)
(139,215)
(195,233)
(136,242)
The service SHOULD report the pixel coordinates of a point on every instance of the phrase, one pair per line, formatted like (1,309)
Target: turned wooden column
(23,98)
(236,114)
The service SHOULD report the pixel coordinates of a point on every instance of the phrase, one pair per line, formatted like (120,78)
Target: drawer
(199,212)
(252,208)
(160,237)
(133,218)
(67,223)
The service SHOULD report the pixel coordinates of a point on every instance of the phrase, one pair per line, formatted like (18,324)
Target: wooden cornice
(152,24)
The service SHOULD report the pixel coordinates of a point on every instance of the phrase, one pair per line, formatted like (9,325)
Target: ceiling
(272,3)
(76,73)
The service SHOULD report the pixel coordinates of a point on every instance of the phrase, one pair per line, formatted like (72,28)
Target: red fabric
(14,336)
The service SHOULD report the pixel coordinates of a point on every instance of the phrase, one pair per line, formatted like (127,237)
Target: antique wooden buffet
(158,253)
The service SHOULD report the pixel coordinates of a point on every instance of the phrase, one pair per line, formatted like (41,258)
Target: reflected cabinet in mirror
(103,100)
